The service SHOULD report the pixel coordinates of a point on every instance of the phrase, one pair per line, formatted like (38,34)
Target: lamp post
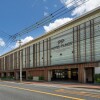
(20,61)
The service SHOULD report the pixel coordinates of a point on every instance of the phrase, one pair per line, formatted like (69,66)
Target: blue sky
(16,15)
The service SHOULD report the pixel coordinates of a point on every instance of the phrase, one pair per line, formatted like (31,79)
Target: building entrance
(59,74)
(12,74)
(74,74)
(65,74)
(5,74)
(23,75)
(89,75)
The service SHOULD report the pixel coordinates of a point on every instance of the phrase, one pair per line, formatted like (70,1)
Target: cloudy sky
(16,15)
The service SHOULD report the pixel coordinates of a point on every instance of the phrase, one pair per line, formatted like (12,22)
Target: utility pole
(20,51)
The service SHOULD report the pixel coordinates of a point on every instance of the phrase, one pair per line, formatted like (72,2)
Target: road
(21,91)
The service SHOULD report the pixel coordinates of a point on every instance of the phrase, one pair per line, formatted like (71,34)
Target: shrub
(3,78)
(97,78)
(7,78)
(41,78)
(30,77)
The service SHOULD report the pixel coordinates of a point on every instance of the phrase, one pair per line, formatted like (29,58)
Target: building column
(69,73)
(8,74)
(2,74)
(49,75)
(46,75)
(17,75)
(81,74)
(27,75)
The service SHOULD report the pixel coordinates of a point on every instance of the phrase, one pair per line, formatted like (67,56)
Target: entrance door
(65,74)
(59,74)
(74,74)
(89,75)
(24,75)
(12,74)
(5,75)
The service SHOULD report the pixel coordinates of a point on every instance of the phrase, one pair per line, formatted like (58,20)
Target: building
(70,52)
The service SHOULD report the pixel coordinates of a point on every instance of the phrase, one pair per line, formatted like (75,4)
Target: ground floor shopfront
(83,73)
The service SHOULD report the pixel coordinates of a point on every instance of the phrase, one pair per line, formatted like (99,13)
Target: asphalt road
(21,91)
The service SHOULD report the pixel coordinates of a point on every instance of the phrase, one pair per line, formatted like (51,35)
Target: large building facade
(70,53)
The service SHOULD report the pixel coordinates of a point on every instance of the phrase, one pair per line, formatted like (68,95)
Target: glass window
(31,56)
(24,60)
(41,58)
(61,49)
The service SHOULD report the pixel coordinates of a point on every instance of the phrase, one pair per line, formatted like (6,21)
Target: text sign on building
(61,43)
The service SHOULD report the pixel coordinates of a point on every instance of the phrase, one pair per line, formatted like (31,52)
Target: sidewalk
(62,84)
(69,84)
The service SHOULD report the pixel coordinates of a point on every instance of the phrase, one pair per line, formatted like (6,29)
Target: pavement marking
(57,86)
(96,95)
(41,92)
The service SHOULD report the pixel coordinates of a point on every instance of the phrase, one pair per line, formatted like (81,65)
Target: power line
(8,42)
(47,19)
(61,11)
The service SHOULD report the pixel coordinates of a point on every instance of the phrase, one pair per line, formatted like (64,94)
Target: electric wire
(47,19)
(44,21)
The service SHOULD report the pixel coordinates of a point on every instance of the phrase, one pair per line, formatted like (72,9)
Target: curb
(68,85)
(72,86)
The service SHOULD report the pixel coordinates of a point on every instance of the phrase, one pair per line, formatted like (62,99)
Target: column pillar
(16,75)
(45,74)
(49,75)
(27,74)
(69,73)
(2,74)
(8,74)
(81,74)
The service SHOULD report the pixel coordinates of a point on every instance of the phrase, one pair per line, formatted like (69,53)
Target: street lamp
(20,60)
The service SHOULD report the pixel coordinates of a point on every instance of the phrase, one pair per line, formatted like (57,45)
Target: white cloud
(87,6)
(46,13)
(25,40)
(2,43)
(56,23)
